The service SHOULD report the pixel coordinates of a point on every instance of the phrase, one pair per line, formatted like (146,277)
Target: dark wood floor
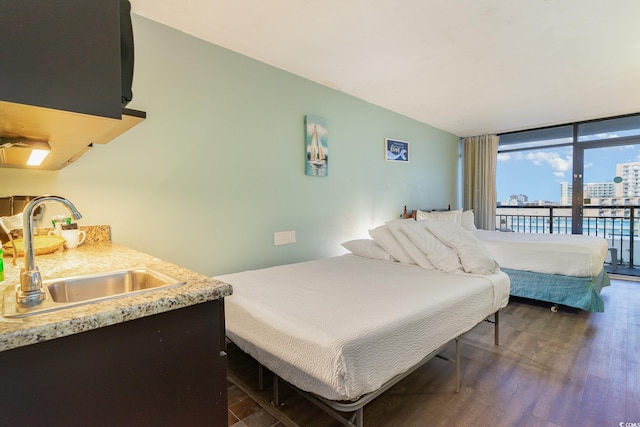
(569,368)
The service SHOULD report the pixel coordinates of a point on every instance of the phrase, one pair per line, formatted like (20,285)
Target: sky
(538,173)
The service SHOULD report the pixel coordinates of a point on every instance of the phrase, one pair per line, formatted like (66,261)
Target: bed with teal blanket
(563,269)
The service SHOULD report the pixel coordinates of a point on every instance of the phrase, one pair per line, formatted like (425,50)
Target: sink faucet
(31,292)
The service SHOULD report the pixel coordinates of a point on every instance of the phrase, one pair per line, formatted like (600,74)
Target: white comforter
(341,327)
(566,254)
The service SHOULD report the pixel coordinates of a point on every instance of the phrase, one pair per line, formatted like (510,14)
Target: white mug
(73,238)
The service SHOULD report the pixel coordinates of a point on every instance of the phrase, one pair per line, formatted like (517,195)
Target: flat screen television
(126,50)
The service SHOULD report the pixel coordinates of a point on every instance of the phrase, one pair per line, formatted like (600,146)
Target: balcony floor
(624,272)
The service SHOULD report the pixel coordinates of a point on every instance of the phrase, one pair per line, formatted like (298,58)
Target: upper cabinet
(65,71)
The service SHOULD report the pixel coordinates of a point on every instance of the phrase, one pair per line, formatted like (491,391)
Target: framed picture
(317,148)
(396,150)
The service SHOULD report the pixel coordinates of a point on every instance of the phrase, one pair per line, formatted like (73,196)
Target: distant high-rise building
(599,190)
(516,200)
(566,192)
(629,186)
(521,198)
(590,190)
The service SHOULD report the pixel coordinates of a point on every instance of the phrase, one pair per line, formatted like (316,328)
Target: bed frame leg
(458,365)
(260,377)
(360,417)
(496,328)
(276,394)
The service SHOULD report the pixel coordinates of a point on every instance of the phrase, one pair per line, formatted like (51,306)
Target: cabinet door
(166,369)
(62,54)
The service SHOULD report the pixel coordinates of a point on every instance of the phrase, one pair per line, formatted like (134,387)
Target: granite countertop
(97,257)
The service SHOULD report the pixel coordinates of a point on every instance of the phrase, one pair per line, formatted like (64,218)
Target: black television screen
(126,50)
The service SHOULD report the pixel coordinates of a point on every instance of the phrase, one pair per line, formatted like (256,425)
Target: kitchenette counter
(98,258)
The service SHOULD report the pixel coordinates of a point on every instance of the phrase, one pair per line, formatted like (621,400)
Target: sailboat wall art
(317,149)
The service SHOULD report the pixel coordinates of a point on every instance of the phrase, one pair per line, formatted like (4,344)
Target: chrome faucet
(31,292)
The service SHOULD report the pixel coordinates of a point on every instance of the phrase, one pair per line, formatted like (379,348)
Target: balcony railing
(618,224)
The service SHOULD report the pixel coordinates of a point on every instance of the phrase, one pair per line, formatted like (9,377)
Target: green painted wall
(218,166)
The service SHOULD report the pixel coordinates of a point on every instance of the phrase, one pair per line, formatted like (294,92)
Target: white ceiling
(468,67)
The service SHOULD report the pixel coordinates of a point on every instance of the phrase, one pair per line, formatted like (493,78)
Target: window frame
(578,148)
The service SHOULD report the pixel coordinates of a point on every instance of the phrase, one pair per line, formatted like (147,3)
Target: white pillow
(410,248)
(367,248)
(440,255)
(454,216)
(468,220)
(474,256)
(383,237)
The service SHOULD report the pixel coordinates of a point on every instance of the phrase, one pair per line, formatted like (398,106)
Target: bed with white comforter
(345,328)
(565,254)
(341,327)
(565,269)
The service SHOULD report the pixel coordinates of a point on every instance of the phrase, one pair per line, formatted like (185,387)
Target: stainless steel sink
(79,290)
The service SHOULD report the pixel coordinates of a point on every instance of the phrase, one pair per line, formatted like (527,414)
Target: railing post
(631,227)
(551,220)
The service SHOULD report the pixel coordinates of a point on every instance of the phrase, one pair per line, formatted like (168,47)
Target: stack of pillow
(434,241)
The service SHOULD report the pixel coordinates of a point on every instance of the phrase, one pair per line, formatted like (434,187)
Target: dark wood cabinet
(62,78)
(62,54)
(168,369)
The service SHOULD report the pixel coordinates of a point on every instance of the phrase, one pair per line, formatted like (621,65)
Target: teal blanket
(578,292)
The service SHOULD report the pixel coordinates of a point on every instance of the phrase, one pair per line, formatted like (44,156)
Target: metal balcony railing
(618,224)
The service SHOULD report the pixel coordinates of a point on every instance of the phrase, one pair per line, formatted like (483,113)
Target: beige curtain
(479,159)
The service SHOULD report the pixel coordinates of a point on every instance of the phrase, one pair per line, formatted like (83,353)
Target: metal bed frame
(351,413)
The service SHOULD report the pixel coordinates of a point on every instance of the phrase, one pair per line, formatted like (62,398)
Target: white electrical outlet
(284,237)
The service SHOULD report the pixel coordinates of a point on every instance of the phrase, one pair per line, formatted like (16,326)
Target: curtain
(479,160)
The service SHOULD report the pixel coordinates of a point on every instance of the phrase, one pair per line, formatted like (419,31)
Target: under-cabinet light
(23,151)
(37,156)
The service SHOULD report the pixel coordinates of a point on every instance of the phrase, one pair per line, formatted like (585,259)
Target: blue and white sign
(396,151)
